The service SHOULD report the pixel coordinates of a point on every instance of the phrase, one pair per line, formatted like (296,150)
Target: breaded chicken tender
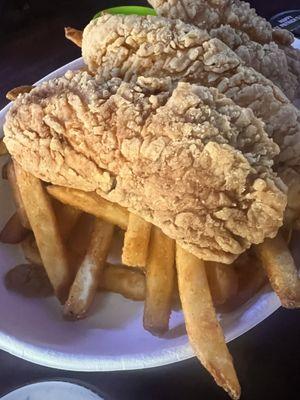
(129,46)
(209,14)
(184,157)
(260,46)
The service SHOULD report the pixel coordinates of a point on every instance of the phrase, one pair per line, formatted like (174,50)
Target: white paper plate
(52,390)
(112,338)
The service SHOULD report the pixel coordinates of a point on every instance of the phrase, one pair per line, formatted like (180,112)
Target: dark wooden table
(267,358)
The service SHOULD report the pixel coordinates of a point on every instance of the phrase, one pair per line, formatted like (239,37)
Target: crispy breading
(249,35)
(268,59)
(209,14)
(186,159)
(128,46)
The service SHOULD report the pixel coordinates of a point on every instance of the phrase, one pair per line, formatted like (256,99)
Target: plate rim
(58,359)
(58,382)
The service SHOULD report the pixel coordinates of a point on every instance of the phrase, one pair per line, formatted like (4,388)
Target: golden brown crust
(260,46)
(209,14)
(188,160)
(157,47)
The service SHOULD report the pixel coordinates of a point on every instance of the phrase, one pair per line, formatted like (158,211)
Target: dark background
(267,358)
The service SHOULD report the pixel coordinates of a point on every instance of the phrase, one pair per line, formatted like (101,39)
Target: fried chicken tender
(209,14)
(183,157)
(268,59)
(249,35)
(127,46)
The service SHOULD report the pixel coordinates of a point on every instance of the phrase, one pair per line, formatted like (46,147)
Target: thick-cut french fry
(11,176)
(3,149)
(30,250)
(129,282)
(79,240)
(13,232)
(45,227)
(222,280)
(251,278)
(91,203)
(280,268)
(86,282)
(160,277)
(74,35)
(203,328)
(14,93)
(67,217)
(136,241)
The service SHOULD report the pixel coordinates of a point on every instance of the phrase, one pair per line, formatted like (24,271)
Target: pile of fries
(69,233)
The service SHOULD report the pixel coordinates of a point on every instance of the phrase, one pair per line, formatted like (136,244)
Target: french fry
(136,241)
(45,227)
(203,328)
(86,282)
(251,278)
(222,280)
(128,282)
(13,231)
(3,149)
(14,93)
(74,35)
(30,250)
(11,176)
(160,277)
(66,216)
(281,270)
(91,203)
(79,240)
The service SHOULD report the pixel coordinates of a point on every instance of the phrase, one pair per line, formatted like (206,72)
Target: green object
(127,10)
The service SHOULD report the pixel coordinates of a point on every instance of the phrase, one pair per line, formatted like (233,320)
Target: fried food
(160,277)
(43,222)
(249,35)
(13,232)
(268,59)
(11,176)
(171,142)
(222,280)
(30,250)
(251,278)
(128,282)
(208,14)
(160,47)
(3,149)
(91,203)
(175,134)
(79,240)
(281,270)
(74,35)
(14,93)
(203,328)
(29,280)
(136,241)
(86,282)
(66,216)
